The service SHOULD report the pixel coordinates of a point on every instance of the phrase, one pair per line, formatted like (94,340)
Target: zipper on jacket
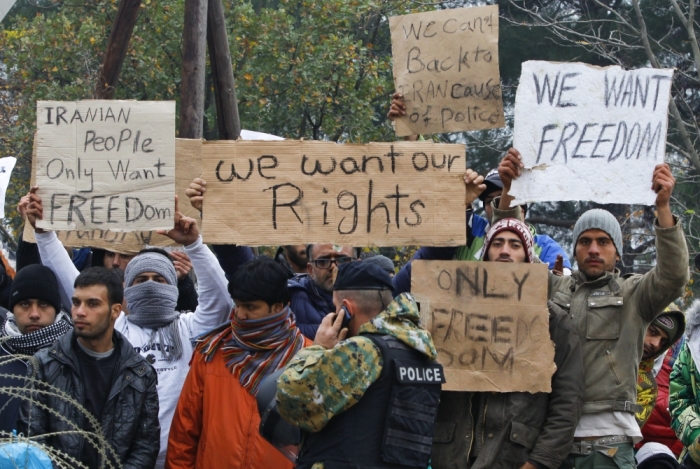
(471,438)
(612,366)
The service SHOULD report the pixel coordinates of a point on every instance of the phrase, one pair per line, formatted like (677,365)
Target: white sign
(6,167)
(5,6)
(589,133)
(107,165)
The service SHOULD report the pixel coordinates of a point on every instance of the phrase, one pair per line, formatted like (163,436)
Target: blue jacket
(545,247)
(309,303)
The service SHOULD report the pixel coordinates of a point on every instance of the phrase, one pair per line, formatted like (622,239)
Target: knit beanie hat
(599,219)
(515,226)
(35,282)
(672,322)
(150,262)
(382,262)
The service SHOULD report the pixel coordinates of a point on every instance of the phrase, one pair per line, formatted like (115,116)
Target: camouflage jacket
(684,390)
(320,383)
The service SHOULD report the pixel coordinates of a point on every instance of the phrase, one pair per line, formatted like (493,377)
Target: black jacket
(130,416)
(518,426)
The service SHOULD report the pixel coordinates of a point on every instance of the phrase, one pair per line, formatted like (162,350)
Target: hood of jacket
(680,318)
(401,319)
(319,298)
(692,323)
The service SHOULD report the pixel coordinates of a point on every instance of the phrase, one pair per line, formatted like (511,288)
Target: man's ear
(277,308)
(116,311)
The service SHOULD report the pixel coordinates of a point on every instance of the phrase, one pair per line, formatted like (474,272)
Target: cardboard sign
(489,323)
(446,68)
(7,164)
(590,133)
(294,192)
(188,165)
(107,165)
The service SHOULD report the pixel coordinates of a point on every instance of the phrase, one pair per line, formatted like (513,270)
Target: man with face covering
(156,330)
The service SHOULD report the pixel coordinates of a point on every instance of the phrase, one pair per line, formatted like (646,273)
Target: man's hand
(23,206)
(475,186)
(510,167)
(196,192)
(398,108)
(185,231)
(182,264)
(329,332)
(528,465)
(558,268)
(35,208)
(662,183)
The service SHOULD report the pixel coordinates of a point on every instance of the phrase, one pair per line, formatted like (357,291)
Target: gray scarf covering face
(152,305)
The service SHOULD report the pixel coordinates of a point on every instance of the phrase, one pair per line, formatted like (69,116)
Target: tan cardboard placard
(188,165)
(446,68)
(106,164)
(294,192)
(489,323)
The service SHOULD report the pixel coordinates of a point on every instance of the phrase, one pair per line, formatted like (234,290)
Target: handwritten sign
(590,133)
(7,164)
(188,165)
(489,323)
(294,192)
(107,165)
(446,68)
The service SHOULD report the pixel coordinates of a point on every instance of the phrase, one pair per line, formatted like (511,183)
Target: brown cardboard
(187,167)
(446,68)
(489,323)
(323,192)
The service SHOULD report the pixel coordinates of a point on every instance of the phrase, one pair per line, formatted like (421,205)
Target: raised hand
(196,192)
(185,231)
(475,186)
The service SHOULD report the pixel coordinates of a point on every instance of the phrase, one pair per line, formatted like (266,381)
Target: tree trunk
(222,72)
(194,48)
(117,46)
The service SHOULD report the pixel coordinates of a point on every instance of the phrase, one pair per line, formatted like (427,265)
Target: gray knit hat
(599,219)
(382,262)
(150,262)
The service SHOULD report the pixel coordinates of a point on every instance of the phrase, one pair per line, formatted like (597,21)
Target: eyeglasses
(326,263)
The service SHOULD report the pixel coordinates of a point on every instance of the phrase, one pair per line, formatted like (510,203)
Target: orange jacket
(216,423)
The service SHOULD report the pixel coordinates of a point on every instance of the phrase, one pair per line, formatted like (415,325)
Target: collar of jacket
(609,278)
(316,295)
(62,351)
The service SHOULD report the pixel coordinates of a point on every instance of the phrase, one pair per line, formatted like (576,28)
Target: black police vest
(392,425)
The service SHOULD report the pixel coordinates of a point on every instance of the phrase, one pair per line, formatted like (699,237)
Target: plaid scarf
(254,348)
(29,344)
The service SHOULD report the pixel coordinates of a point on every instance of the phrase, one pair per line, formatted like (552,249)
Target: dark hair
(309,247)
(260,279)
(102,276)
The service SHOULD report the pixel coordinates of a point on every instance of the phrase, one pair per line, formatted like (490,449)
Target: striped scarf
(254,348)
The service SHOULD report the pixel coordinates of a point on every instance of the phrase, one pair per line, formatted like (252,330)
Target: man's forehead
(90,291)
(331,250)
(507,234)
(594,234)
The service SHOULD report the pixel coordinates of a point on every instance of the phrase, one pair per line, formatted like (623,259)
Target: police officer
(369,400)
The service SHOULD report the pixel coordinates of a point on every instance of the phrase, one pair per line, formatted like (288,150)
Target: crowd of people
(317,358)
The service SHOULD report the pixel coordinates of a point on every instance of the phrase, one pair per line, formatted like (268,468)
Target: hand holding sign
(35,208)
(186,230)
(475,186)
(196,193)
(663,183)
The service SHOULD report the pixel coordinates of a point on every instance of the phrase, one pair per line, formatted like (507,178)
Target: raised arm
(666,281)
(215,303)
(53,254)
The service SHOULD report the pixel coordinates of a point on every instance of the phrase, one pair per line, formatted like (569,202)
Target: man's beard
(295,258)
(96,333)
